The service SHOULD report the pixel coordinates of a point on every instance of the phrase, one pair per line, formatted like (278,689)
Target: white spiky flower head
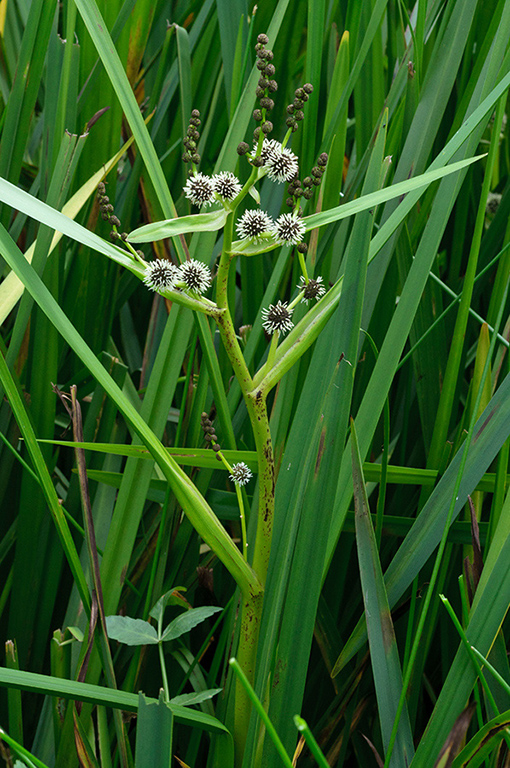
(226,185)
(289,229)
(196,276)
(161,274)
(268,146)
(200,190)
(241,473)
(280,162)
(277,317)
(253,223)
(314,289)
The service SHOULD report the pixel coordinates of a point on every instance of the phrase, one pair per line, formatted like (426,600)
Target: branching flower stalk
(251,611)
(281,165)
(187,282)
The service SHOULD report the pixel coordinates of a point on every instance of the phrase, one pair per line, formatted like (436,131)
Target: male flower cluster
(266,85)
(191,139)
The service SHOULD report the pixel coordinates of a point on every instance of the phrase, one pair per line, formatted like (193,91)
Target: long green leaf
(381,634)
(97,694)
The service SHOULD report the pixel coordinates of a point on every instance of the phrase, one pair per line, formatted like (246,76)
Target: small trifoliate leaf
(186,699)
(187,621)
(131,631)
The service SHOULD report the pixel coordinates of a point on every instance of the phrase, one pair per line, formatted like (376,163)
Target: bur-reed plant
(218,368)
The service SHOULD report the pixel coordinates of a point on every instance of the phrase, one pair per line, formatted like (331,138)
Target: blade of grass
(98,694)
(381,634)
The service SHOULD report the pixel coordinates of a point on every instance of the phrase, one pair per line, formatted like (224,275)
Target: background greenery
(397,87)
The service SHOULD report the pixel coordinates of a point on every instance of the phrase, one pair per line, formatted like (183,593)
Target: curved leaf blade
(186,621)
(198,222)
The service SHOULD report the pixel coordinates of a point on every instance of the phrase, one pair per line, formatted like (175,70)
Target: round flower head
(160,274)
(253,224)
(195,275)
(278,317)
(314,289)
(281,164)
(268,146)
(226,185)
(288,229)
(241,473)
(199,189)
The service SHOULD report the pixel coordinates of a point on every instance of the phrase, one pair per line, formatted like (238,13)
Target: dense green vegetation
(302,503)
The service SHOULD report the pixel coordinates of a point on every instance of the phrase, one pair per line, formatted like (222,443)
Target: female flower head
(277,318)
(252,224)
(241,473)
(200,190)
(196,276)
(161,274)
(226,185)
(313,289)
(280,163)
(289,229)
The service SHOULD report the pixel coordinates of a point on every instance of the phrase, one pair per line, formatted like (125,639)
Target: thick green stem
(257,411)
(251,609)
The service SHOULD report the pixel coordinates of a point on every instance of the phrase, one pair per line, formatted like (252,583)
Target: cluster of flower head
(203,190)
(277,318)
(192,276)
(288,229)
(191,139)
(280,165)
